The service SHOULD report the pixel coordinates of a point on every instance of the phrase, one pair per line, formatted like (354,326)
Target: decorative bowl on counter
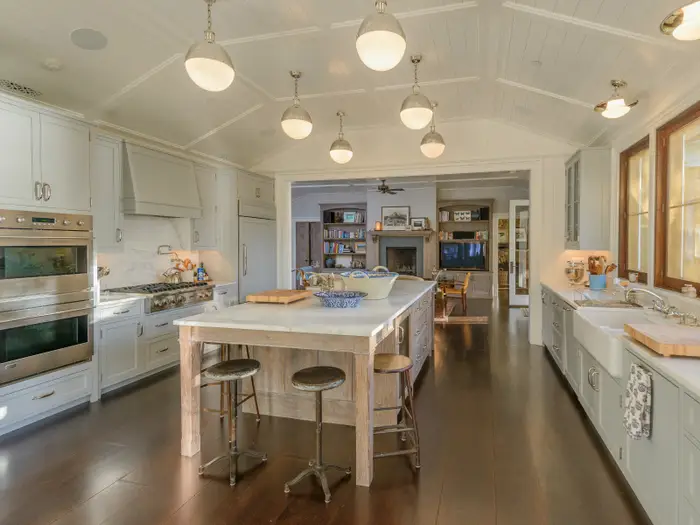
(340,299)
(377,285)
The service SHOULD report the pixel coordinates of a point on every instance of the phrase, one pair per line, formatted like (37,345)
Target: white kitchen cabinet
(588,193)
(574,366)
(106,184)
(547,318)
(65,163)
(590,387)
(256,189)
(611,412)
(690,471)
(204,231)
(557,349)
(20,163)
(689,516)
(651,464)
(162,352)
(120,358)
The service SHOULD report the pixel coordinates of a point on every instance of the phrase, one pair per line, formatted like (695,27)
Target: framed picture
(419,223)
(520,234)
(349,216)
(463,216)
(395,217)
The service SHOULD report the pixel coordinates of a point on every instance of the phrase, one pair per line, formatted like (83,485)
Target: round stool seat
(318,378)
(391,363)
(232,370)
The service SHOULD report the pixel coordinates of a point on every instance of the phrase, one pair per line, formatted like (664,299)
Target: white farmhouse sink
(599,331)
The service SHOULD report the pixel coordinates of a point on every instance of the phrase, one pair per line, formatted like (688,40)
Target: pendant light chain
(209,35)
(432,119)
(341,135)
(416,87)
(297,102)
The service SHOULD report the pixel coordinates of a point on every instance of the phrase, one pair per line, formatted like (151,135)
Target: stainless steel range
(166,296)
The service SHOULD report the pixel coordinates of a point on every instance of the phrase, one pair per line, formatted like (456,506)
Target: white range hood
(158,184)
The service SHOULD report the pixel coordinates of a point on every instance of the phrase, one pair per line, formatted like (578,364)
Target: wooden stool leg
(413,417)
(252,382)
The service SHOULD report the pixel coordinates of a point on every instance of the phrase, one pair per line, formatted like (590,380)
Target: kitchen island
(287,338)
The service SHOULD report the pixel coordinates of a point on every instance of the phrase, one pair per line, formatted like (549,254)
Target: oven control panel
(39,220)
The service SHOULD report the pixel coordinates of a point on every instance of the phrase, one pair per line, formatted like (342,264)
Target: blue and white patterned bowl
(338,299)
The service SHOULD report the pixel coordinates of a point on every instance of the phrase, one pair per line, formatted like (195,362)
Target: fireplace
(402,260)
(402,254)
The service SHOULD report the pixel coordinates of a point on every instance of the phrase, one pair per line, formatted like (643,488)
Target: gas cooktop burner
(154,288)
(166,296)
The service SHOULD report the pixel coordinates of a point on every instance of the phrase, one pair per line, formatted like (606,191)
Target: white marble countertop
(681,370)
(309,317)
(570,294)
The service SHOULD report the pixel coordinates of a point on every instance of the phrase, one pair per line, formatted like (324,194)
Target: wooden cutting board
(279,296)
(681,341)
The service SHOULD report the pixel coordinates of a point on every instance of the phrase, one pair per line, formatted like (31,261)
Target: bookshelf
(344,237)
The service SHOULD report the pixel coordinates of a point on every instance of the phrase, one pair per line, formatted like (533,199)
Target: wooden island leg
(190,367)
(364,419)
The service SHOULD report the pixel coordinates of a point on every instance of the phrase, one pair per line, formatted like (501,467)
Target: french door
(519,253)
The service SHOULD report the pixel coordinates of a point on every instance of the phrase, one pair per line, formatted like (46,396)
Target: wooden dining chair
(460,288)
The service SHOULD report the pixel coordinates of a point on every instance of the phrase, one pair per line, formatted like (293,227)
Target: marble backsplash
(139,262)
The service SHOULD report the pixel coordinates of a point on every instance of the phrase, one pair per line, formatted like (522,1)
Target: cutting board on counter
(682,341)
(279,296)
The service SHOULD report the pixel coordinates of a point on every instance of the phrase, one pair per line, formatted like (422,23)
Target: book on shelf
(332,233)
(361,248)
(344,217)
(330,247)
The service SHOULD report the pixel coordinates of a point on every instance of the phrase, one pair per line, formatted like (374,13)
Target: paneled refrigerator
(257,254)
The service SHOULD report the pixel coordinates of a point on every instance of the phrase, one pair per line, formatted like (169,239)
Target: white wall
(422,202)
(306,205)
(501,195)
(139,262)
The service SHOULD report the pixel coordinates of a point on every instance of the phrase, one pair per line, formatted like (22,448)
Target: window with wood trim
(634,211)
(677,250)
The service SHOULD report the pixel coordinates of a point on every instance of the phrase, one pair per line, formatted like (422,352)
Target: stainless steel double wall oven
(46,287)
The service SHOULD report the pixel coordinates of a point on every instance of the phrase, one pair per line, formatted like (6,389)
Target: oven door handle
(40,317)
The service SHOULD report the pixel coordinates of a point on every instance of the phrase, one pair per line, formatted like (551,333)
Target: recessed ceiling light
(683,23)
(88,39)
(52,64)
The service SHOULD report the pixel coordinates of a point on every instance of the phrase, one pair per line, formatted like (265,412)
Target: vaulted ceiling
(539,64)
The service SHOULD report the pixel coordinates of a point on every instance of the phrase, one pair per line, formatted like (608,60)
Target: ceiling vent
(19,89)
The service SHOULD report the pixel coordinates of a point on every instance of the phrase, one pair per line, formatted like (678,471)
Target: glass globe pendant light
(380,41)
(341,150)
(416,110)
(296,121)
(432,145)
(207,63)
(684,23)
(615,106)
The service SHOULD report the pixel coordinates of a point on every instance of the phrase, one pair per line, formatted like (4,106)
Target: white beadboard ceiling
(539,64)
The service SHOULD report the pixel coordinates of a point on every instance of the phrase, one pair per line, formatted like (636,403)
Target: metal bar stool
(231,372)
(317,379)
(400,364)
(224,355)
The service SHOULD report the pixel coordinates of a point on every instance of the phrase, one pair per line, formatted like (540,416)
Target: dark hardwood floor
(502,443)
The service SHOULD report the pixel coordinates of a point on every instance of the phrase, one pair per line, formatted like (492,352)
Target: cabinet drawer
(163,352)
(121,311)
(160,325)
(558,316)
(31,402)
(691,416)
(689,516)
(690,464)
(558,346)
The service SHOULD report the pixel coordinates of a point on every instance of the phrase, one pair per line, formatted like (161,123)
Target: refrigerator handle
(245,260)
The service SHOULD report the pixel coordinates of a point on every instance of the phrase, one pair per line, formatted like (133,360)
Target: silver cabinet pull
(196,236)
(401,334)
(245,260)
(120,235)
(161,325)
(163,350)
(44,396)
(223,293)
(47,192)
(38,191)
(139,329)
(122,312)
(10,366)
(596,383)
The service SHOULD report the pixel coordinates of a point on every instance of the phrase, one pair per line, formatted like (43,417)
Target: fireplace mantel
(376,234)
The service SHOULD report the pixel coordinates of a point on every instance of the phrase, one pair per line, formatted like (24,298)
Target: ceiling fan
(386,190)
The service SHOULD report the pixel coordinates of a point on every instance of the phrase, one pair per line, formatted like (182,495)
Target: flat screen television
(463,255)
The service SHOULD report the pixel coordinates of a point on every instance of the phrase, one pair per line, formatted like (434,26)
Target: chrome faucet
(659,304)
